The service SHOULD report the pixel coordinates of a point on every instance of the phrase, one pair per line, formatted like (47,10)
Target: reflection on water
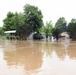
(37,58)
(29,57)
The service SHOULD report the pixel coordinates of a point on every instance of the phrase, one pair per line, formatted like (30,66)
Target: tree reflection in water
(35,55)
(63,51)
(30,52)
(72,50)
(60,51)
(24,55)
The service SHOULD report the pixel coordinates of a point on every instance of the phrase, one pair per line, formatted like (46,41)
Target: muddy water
(37,58)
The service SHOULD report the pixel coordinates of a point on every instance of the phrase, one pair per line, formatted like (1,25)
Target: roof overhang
(12,31)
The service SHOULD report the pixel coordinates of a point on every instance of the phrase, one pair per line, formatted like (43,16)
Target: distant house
(64,34)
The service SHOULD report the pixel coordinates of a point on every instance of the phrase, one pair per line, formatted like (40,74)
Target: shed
(10,34)
(64,34)
(12,31)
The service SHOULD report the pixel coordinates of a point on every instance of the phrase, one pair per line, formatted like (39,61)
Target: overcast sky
(51,9)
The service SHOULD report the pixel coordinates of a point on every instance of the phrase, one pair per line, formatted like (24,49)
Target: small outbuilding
(64,34)
(10,34)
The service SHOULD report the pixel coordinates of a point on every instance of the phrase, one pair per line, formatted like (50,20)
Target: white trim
(12,31)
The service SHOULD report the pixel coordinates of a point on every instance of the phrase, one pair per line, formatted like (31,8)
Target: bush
(37,36)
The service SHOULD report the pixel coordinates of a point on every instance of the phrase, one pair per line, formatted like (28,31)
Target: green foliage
(23,31)
(72,29)
(28,22)
(1,31)
(13,21)
(37,36)
(47,29)
(24,23)
(33,17)
(9,22)
(60,27)
(19,19)
(61,24)
(22,28)
(56,33)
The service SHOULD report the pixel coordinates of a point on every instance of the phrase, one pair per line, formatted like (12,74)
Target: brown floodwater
(37,58)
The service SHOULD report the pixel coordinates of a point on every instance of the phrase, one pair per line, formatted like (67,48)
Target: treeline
(31,20)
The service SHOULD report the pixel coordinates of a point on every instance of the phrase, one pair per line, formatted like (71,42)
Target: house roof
(12,31)
(64,34)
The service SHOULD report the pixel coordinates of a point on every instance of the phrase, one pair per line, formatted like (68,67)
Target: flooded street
(37,58)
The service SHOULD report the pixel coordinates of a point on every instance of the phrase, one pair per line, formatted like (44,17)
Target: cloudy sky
(51,9)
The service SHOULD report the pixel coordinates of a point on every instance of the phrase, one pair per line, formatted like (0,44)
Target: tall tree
(60,26)
(1,31)
(47,29)
(9,21)
(14,22)
(33,17)
(25,23)
(21,28)
(72,29)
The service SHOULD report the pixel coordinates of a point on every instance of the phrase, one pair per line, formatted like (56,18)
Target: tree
(47,29)
(61,24)
(22,28)
(1,31)
(9,22)
(24,23)
(33,17)
(56,33)
(72,29)
(60,27)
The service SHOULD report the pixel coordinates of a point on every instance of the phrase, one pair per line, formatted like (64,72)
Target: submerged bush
(37,36)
